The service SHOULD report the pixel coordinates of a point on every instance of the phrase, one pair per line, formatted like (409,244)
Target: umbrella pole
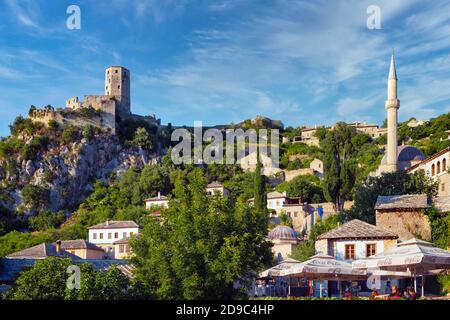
(289,288)
(340,289)
(423,285)
(415,283)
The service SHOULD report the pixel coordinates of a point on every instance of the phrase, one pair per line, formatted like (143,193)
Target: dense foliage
(47,280)
(202,246)
(366,192)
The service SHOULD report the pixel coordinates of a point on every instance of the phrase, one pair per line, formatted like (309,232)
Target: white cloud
(24,11)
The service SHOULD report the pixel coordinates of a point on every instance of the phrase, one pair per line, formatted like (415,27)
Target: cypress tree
(260,187)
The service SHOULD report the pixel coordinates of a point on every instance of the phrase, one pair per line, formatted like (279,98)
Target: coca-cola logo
(385,262)
(413,260)
(334,270)
(360,264)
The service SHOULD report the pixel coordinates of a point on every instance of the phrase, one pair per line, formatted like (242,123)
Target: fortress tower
(392,105)
(117,84)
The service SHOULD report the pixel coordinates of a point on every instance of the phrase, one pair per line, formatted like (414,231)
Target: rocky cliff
(68,171)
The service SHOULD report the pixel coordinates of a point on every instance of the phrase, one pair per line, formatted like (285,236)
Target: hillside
(53,168)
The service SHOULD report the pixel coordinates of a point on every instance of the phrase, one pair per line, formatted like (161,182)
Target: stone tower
(117,85)
(392,106)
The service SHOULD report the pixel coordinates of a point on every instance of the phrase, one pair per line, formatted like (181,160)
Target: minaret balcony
(394,103)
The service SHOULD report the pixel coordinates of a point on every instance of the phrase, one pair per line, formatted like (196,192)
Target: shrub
(70,134)
(53,125)
(88,131)
(36,197)
(46,220)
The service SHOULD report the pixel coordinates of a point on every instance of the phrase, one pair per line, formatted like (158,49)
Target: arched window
(444,165)
(433,170)
(438,167)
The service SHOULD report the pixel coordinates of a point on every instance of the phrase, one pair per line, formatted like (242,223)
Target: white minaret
(392,106)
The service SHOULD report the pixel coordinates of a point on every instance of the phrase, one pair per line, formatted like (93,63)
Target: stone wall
(105,120)
(322,246)
(291,174)
(407,224)
(73,103)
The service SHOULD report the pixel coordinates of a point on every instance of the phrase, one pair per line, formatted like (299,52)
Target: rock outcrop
(69,171)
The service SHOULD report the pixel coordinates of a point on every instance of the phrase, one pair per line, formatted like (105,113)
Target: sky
(303,62)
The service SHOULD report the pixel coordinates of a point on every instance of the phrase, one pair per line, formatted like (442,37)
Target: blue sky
(221,61)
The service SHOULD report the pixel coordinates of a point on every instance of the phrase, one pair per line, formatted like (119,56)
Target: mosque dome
(283,233)
(407,155)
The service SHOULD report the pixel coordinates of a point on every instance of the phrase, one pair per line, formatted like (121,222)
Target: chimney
(107,222)
(58,247)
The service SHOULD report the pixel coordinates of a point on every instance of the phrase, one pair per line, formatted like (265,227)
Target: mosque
(396,158)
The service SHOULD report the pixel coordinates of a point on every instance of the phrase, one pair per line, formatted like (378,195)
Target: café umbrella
(319,267)
(279,270)
(415,257)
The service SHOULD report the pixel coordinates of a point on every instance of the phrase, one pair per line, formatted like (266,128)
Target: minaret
(392,106)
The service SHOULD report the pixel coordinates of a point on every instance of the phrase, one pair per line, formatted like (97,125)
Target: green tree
(285,220)
(260,195)
(36,197)
(53,125)
(339,169)
(69,134)
(46,220)
(306,249)
(46,280)
(399,183)
(31,110)
(88,131)
(143,139)
(201,245)
(300,188)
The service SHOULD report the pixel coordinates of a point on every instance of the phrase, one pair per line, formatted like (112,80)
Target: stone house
(77,249)
(216,188)
(436,167)
(355,240)
(106,234)
(249,162)
(159,201)
(404,215)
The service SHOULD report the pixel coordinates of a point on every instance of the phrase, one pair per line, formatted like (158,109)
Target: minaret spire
(392,106)
(392,71)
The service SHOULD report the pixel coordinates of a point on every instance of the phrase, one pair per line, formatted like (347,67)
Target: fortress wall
(105,121)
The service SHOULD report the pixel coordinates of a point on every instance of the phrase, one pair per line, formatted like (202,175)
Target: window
(94,236)
(444,165)
(117,71)
(116,235)
(295,214)
(109,235)
(101,235)
(349,252)
(443,187)
(438,167)
(433,170)
(127,248)
(118,87)
(124,235)
(121,248)
(371,249)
